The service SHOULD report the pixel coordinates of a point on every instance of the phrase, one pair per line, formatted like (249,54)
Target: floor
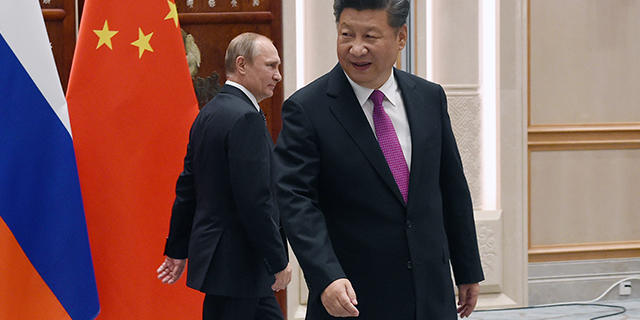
(610,310)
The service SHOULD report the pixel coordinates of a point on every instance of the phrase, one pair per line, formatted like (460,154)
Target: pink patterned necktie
(390,144)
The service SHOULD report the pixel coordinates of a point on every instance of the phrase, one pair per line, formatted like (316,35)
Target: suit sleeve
(298,159)
(250,174)
(182,213)
(457,207)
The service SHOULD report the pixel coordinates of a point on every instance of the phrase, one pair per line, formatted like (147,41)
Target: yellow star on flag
(173,12)
(105,35)
(143,42)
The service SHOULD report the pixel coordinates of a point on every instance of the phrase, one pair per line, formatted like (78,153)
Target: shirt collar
(247,92)
(389,89)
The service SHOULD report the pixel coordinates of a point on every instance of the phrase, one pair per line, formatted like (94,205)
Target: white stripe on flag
(19,23)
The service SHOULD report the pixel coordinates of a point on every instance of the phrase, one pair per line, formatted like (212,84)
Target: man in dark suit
(225,219)
(371,190)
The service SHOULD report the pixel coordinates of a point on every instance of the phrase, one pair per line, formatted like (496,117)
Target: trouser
(230,308)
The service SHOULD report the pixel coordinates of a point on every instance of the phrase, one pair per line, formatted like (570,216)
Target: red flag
(131,104)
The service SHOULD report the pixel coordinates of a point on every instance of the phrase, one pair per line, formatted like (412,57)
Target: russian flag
(46,269)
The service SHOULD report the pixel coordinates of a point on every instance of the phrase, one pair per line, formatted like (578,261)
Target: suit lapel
(228,89)
(419,119)
(236,92)
(347,110)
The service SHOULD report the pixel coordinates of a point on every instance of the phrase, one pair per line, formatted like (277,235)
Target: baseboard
(576,281)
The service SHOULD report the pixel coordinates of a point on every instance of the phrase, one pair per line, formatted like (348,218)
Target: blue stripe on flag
(40,196)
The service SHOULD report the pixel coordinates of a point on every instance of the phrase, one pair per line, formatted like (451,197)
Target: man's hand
(467,298)
(282,279)
(171,270)
(339,299)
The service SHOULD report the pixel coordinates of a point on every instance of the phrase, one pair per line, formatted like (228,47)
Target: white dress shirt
(247,92)
(393,106)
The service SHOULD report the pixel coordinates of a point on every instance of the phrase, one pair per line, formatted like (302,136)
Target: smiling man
(371,187)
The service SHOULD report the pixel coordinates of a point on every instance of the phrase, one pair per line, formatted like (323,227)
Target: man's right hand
(282,279)
(339,299)
(171,270)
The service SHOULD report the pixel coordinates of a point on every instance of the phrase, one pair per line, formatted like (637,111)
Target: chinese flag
(131,104)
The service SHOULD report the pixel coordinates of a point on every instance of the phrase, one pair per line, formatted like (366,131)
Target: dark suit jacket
(225,219)
(345,217)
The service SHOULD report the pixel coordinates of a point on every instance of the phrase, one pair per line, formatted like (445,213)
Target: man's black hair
(397,10)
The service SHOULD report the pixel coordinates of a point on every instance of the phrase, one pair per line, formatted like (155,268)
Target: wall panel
(584,196)
(584,129)
(584,61)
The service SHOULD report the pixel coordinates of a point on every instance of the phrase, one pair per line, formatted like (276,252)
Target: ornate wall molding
(489,231)
(213,3)
(487,245)
(465,113)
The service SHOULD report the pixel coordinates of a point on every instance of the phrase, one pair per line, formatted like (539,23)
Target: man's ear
(402,37)
(241,63)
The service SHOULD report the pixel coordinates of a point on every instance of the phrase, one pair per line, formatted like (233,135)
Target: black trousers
(230,308)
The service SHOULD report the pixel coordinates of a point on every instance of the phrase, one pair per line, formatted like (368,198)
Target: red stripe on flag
(130,111)
(23,293)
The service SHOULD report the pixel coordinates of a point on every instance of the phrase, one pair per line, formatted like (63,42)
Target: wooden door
(60,20)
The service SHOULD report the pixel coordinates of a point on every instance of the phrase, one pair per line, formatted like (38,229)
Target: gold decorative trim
(226,17)
(584,137)
(584,251)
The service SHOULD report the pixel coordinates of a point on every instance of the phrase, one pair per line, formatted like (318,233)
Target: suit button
(408,224)
(409,265)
